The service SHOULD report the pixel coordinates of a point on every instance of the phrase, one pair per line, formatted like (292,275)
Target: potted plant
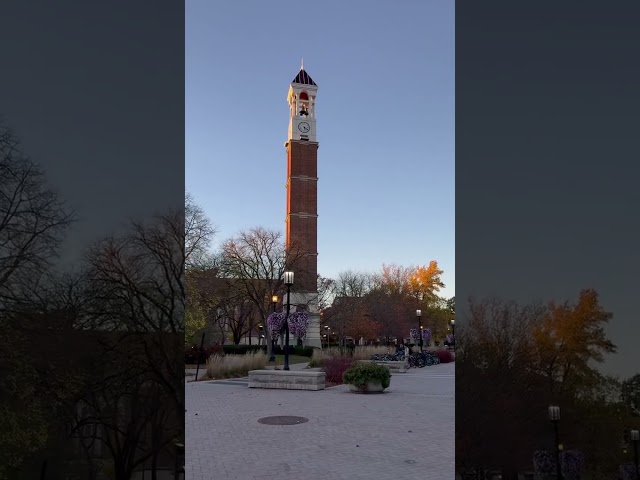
(367,378)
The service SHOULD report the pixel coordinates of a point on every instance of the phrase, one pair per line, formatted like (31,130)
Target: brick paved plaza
(404,434)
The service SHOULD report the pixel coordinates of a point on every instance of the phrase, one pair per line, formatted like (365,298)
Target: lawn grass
(292,359)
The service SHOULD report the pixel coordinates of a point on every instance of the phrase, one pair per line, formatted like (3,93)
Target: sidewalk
(407,433)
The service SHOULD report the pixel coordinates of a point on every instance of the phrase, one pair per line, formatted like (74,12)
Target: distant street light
(453,333)
(554,416)
(288,281)
(419,315)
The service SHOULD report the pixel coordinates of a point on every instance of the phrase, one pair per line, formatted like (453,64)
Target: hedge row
(242,349)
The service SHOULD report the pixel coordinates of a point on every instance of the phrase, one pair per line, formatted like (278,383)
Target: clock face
(304,127)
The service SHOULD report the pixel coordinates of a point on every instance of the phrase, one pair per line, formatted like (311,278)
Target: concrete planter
(287,379)
(372,387)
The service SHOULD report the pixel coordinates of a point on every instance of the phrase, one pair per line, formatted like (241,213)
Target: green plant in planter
(362,373)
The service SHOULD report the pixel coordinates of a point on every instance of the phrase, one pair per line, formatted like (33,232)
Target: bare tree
(138,277)
(139,294)
(353,284)
(341,313)
(33,220)
(126,418)
(238,311)
(326,292)
(198,235)
(255,261)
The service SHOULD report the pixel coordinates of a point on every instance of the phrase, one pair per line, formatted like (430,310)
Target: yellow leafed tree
(425,281)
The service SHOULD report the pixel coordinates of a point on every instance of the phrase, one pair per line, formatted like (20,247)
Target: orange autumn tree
(570,339)
(512,361)
(415,281)
(425,282)
(416,287)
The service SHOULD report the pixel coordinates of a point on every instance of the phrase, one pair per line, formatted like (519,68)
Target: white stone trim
(304,178)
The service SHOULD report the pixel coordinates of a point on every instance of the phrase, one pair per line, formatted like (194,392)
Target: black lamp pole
(554,416)
(272,358)
(635,438)
(288,281)
(419,315)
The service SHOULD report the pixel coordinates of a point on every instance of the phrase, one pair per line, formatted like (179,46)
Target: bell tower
(302,103)
(302,196)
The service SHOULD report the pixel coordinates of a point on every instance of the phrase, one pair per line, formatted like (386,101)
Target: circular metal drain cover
(283,420)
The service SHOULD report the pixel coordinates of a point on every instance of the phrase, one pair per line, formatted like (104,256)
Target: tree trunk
(154,465)
(121,472)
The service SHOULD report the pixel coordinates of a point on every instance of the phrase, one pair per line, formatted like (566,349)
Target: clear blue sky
(385,118)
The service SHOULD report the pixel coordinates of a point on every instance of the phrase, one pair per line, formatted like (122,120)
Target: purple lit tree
(298,323)
(275,324)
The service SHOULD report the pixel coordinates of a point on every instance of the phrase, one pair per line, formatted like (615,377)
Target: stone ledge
(396,367)
(287,379)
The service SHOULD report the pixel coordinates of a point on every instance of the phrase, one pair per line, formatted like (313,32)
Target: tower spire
(302,64)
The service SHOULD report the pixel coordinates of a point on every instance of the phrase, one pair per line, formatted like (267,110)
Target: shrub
(362,373)
(445,356)
(303,351)
(279,349)
(195,353)
(335,368)
(235,365)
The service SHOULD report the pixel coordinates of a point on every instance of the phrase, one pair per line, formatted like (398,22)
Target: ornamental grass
(228,366)
(320,357)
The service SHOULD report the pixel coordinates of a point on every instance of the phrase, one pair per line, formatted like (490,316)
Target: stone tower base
(313,330)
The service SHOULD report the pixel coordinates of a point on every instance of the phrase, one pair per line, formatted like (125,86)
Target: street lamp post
(328,330)
(453,333)
(272,358)
(554,416)
(419,315)
(288,281)
(635,438)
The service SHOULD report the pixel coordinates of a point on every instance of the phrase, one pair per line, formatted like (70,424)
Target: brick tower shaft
(302,209)
(302,199)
